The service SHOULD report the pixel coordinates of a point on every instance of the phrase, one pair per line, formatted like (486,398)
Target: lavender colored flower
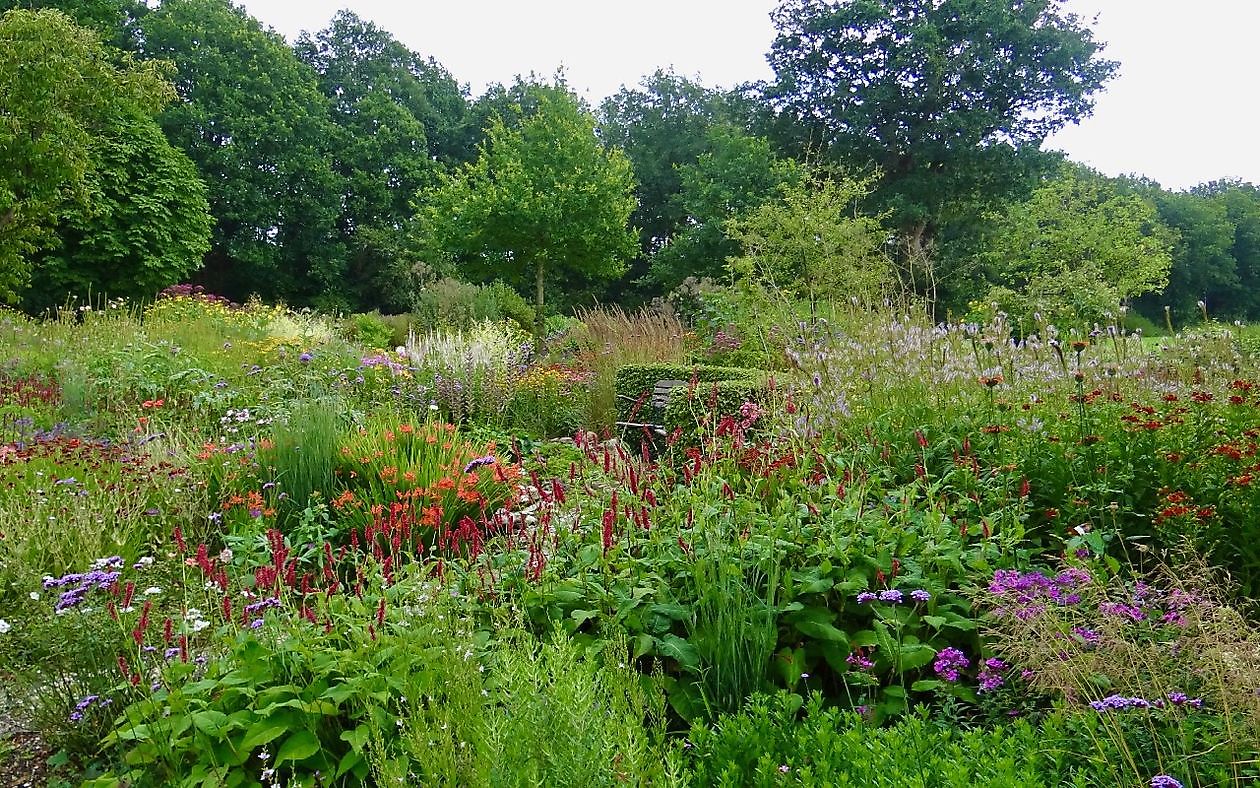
(1164,781)
(306,357)
(479,462)
(1088,636)
(866,596)
(991,674)
(919,595)
(257,607)
(1121,610)
(948,662)
(892,596)
(1119,703)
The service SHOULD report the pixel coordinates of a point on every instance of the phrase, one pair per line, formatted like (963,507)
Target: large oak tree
(948,100)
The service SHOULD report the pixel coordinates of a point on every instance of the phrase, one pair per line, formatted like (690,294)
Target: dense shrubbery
(286,554)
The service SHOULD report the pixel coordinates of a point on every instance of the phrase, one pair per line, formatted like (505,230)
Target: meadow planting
(239,547)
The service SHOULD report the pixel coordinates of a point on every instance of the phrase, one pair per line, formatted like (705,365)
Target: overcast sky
(1182,111)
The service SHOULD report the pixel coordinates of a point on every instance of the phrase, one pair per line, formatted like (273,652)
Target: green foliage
(553,715)
(736,173)
(718,390)
(813,245)
(145,223)
(396,115)
(543,198)
(62,91)
(1077,250)
(951,101)
(786,739)
(453,304)
(254,122)
(371,331)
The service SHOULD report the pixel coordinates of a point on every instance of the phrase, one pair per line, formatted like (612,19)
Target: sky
(1181,112)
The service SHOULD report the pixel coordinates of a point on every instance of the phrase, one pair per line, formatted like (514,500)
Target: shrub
(710,392)
(452,304)
(1168,667)
(371,331)
(472,373)
(785,740)
(613,338)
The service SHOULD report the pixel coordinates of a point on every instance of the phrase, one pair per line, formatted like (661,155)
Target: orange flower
(409,476)
(445,483)
(345,499)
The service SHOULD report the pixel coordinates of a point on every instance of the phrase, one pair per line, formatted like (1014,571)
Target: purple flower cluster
(948,662)
(78,585)
(1026,594)
(892,596)
(1164,781)
(1121,703)
(86,703)
(991,674)
(257,607)
(1121,610)
(479,462)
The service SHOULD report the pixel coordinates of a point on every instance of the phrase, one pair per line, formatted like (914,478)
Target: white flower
(152,591)
(35,595)
(5,626)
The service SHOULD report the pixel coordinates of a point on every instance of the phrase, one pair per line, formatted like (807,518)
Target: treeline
(148,145)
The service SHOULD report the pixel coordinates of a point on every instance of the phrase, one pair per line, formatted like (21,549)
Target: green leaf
(357,738)
(680,650)
(262,733)
(821,631)
(210,722)
(297,747)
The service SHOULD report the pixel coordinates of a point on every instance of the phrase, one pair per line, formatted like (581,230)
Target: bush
(452,304)
(370,331)
(784,739)
(710,392)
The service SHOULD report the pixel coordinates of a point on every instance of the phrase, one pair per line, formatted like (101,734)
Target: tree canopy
(76,122)
(949,99)
(543,199)
(254,121)
(1077,249)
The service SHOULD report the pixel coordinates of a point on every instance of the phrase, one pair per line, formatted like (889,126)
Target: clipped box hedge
(734,386)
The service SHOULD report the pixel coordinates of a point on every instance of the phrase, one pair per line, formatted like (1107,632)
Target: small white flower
(5,626)
(152,591)
(35,595)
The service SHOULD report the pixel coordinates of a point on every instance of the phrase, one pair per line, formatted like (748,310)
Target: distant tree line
(140,146)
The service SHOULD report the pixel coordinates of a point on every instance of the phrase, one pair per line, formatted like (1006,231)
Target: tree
(144,225)
(60,86)
(1077,249)
(950,100)
(543,199)
(735,174)
(1242,208)
(398,115)
(661,127)
(254,122)
(813,244)
(117,22)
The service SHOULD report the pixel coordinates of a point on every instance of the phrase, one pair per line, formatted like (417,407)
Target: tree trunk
(540,323)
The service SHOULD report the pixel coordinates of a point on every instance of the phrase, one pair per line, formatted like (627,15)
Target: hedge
(733,386)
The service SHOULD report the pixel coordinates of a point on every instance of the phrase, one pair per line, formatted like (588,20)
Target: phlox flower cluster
(949,661)
(892,596)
